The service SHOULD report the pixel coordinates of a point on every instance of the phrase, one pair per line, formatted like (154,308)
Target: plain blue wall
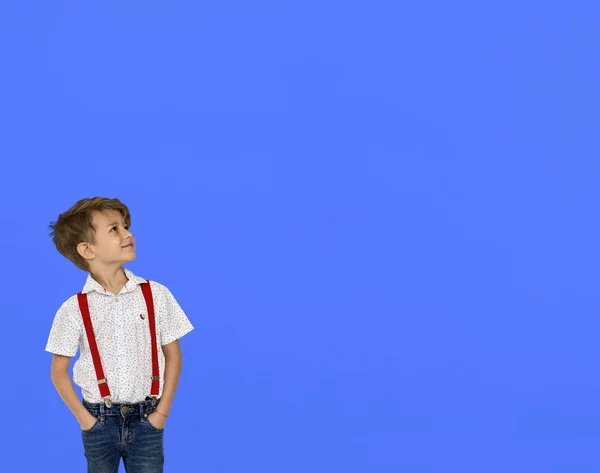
(380,217)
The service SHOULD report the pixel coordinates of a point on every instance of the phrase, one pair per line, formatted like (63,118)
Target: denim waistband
(121,408)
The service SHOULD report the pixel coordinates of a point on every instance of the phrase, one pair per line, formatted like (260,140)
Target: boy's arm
(173,324)
(173,364)
(59,373)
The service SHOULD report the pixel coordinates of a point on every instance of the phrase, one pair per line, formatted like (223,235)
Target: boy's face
(111,240)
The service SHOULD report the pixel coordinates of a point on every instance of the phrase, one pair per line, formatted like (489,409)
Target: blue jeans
(123,431)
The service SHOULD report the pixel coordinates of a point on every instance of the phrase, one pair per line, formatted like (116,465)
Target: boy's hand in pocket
(88,422)
(156,420)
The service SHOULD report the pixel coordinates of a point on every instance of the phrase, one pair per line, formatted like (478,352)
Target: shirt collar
(92,285)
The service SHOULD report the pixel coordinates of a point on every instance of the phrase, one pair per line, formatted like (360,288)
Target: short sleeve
(174,324)
(65,333)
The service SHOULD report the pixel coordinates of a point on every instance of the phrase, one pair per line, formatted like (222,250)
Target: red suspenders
(87,322)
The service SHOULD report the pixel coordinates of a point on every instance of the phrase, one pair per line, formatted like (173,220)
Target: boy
(127,330)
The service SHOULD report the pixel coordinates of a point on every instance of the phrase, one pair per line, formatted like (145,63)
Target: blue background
(381,218)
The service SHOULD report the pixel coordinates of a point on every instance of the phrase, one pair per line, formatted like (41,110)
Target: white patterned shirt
(122,334)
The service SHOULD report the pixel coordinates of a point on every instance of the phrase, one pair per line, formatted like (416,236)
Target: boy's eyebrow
(112,223)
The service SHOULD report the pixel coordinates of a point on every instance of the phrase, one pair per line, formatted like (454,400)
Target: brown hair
(75,226)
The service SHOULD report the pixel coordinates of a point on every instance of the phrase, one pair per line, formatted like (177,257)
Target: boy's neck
(111,280)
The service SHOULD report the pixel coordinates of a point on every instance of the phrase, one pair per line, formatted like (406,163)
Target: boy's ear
(85,250)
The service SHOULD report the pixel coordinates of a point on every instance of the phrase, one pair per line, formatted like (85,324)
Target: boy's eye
(126,227)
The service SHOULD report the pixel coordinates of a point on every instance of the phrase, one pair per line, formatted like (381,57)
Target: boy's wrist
(82,415)
(164,407)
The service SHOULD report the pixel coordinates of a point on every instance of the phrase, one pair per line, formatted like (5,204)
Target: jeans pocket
(91,428)
(156,429)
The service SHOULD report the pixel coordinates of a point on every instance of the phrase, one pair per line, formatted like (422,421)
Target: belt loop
(101,411)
